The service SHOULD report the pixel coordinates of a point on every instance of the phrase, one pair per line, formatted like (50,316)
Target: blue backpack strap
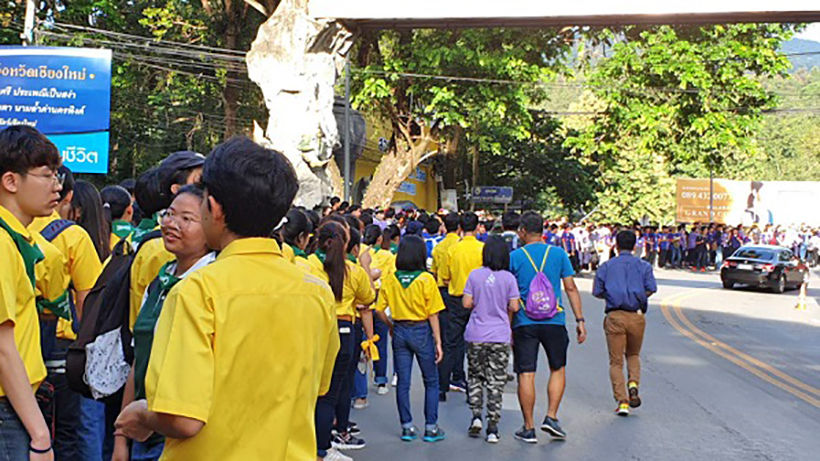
(55,228)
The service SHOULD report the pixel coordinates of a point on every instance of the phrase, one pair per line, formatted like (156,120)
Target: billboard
(492,194)
(748,202)
(63,92)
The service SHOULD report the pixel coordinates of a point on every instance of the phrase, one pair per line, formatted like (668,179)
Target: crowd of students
(254,322)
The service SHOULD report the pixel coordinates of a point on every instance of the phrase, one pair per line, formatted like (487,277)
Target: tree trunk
(230,93)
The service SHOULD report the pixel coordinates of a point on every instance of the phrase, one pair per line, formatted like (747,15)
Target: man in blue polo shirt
(551,334)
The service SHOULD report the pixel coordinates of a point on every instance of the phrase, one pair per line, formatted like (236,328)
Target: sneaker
(382,389)
(442,396)
(475,428)
(492,434)
(360,404)
(435,435)
(347,441)
(458,386)
(623,409)
(395,381)
(408,434)
(335,455)
(634,398)
(526,435)
(353,428)
(552,427)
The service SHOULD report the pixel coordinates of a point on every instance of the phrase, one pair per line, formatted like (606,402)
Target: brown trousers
(624,336)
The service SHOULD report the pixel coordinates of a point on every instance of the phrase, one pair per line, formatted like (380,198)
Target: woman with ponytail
(295,233)
(352,289)
(119,211)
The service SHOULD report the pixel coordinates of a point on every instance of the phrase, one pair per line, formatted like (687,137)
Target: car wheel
(780,287)
(728,284)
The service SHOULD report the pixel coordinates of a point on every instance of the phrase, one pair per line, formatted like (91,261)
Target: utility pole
(347,133)
(711,196)
(28,25)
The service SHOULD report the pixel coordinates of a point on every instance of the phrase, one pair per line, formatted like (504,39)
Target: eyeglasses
(182,220)
(56,177)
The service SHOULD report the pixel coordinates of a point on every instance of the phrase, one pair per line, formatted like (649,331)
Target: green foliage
(679,100)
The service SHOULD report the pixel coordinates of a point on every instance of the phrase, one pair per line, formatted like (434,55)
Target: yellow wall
(426,190)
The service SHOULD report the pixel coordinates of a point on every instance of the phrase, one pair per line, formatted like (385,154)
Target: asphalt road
(727,375)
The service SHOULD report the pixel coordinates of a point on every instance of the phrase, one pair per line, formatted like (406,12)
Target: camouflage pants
(487,364)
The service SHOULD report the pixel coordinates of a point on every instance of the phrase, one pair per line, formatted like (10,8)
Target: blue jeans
(14,439)
(359,379)
(415,339)
(145,452)
(96,431)
(380,366)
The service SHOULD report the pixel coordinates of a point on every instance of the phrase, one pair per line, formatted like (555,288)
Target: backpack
(98,362)
(50,232)
(541,301)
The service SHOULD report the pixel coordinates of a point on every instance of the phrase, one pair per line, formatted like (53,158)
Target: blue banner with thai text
(63,92)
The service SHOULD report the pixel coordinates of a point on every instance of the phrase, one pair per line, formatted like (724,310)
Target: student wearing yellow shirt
(440,253)
(384,262)
(351,288)
(120,210)
(463,257)
(414,302)
(154,191)
(29,187)
(229,377)
(296,234)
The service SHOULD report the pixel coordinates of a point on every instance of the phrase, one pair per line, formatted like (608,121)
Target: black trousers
(326,404)
(452,365)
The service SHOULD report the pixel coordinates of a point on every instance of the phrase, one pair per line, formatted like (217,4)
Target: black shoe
(408,434)
(492,433)
(551,427)
(634,398)
(475,428)
(526,435)
(436,435)
(442,396)
(353,428)
(346,441)
(458,386)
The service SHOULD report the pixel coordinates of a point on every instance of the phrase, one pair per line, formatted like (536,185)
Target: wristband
(579,320)
(39,452)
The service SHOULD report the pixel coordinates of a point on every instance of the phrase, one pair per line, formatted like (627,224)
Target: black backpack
(107,308)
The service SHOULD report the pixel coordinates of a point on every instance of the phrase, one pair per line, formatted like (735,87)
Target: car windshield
(754,253)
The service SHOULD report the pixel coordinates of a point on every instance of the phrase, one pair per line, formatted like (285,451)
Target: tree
(402,77)
(679,100)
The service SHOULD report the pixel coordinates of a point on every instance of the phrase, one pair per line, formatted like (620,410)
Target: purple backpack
(541,302)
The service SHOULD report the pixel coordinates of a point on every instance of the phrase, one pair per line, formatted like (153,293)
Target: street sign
(63,92)
(492,194)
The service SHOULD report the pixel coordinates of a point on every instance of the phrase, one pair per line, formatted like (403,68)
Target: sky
(812,32)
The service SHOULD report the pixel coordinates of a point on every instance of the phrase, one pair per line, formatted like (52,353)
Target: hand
(129,423)
(41,456)
(439,353)
(41,442)
(581,330)
(120,449)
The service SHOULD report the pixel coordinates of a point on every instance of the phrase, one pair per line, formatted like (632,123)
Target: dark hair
(115,201)
(353,208)
(353,222)
(254,185)
(532,223)
(496,254)
(389,213)
(343,206)
(355,239)
(331,240)
(192,189)
(87,200)
(432,226)
(298,225)
(412,255)
(129,184)
(147,193)
(451,222)
(469,222)
(394,231)
(68,181)
(626,240)
(510,221)
(366,219)
(23,148)
(334,200)
(337,218)
(372,234)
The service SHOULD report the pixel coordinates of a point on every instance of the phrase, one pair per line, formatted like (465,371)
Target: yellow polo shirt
(357,289)
(383,260)
(51,273)
(150,258)
(462,258)
(17,301)
(440,256)
(246,345)
(417,302)
(288,253)
(84,266)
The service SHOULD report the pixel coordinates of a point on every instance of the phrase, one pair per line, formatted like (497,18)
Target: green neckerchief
(394,248)
(321,255)
(30,252)
(298,251)
(121,228)
(405,278)
(61,307)
(167,280)
(352,258)
(145,226)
